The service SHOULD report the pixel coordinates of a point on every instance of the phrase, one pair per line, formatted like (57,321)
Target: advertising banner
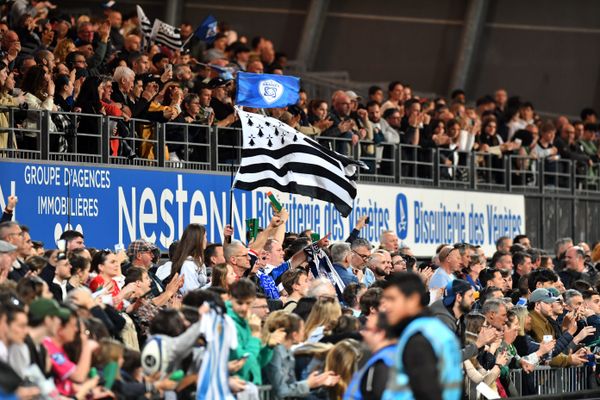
(116,205)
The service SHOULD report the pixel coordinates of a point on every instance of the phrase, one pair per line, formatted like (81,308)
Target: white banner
(422,218)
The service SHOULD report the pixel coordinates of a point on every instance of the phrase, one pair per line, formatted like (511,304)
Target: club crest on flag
(270,90)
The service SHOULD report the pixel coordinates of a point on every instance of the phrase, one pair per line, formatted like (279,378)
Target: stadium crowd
(106,66)
(309,318)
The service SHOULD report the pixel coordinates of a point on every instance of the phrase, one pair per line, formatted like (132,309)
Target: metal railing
(548,381)
(99,139)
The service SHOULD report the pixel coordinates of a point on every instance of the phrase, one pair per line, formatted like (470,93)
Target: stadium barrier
(95,139)
(548,381)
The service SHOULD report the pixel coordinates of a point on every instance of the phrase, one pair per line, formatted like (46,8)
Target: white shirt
(63,287)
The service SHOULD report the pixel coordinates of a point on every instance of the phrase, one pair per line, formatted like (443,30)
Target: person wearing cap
(540,311)
(141,254)
(451,309)
(7,257)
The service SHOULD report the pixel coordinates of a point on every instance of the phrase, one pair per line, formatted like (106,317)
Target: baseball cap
(352,94)
(217,82)
(542,294)
(41,308)
(139,246)
(6,247)
(457,286)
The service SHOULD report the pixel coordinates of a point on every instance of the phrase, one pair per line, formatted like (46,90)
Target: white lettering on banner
(422,218)
(154,222)
(148,217)
(167,196)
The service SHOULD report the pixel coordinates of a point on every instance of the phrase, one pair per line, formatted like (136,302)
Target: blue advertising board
(116,205)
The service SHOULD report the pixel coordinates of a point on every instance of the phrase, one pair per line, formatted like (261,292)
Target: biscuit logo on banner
(401,216)
(270,90)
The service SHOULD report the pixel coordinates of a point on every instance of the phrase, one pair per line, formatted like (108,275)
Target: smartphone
(368,220)
(547,338)
(119,247)
(245,356)
(315,237)
(169,67)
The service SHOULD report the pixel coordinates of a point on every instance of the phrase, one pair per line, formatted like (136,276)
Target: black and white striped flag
(165,34)
(145,25)
(277,156)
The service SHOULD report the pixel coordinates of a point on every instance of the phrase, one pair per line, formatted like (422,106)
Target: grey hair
(492,305)
(569,294)
(318,287)
(360,243)
(233,248)
(123,72)
(339,251)
(561,242)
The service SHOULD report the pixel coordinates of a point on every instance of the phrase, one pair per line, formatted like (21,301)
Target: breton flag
(276,155)
(266,90)
(165,34)
(145,25)
(320,266)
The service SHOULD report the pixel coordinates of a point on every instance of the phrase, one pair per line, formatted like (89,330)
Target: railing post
(572,176)
(472,157)
(541,174)
(436,167)
(160,151)
(397,166)
(105,139)
(213,141)
(508,172)
(44,135)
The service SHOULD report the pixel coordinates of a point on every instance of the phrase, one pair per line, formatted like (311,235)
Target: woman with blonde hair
(280,372)
(62,49)
(322,319)
(343,360)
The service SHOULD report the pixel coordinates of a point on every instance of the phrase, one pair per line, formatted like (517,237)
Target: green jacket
(259,356)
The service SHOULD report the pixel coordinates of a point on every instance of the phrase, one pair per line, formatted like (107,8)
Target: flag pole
(187,40)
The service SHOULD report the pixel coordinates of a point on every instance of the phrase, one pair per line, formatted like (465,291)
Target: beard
(465,307)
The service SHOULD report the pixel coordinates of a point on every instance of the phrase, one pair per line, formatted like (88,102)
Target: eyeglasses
(243,255)
(17,234)
(364,257)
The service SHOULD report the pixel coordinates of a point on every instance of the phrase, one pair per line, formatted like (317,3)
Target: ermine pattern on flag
(165,34)
(276,155)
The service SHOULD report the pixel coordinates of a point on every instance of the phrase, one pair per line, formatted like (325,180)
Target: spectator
(450,262)
(248,327)
(280,370)
(187,260)
(295,284)
(68,372)
(141,254)
(322,319)
(343,126)
(575,268)
(223,276)
(60,284)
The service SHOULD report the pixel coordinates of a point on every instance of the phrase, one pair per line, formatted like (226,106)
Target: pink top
(62,367)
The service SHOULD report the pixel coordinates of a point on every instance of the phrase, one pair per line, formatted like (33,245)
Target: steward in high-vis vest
(369,382)
(427,363)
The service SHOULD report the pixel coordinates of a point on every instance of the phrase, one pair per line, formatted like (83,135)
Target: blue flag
(266,90)
(207,31)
